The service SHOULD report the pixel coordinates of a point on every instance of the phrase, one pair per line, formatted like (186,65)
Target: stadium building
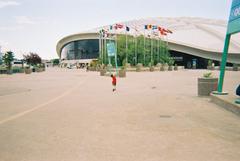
(193,40)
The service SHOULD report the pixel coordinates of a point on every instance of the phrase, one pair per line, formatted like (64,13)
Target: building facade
(193,41)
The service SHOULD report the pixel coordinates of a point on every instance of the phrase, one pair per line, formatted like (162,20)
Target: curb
(227,102)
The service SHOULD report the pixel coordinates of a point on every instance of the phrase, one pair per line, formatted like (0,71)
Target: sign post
(111,50)
(233,28)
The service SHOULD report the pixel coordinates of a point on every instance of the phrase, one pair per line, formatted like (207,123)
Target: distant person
(238,90)
(87,68)
(114,82)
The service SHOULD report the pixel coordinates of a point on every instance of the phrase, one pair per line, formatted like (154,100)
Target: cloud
(6,3)
(10,28)
(25,20)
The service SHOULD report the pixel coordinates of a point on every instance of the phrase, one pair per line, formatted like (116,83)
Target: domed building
(193,40)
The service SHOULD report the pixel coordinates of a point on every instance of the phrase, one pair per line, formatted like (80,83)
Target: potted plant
(235,67)
(122,72)
(158,65)
(102,70)
(210,65)
(207,84)
(27,70)
(165,66)
(151,67)
(170,65)
(175,67)
(139,67)
(162,67)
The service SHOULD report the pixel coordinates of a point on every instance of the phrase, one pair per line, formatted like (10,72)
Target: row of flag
(107,33)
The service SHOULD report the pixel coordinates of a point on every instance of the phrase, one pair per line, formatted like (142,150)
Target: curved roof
(202,34)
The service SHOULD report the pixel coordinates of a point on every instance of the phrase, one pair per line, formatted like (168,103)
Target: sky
(37,25)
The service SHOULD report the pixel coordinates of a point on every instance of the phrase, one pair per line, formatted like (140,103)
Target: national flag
(154,27)
(118,26)
(110,27)
(163,33)
(149,27)
(164,30)
(169,31)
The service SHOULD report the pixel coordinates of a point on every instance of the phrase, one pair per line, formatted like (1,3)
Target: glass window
(82,49)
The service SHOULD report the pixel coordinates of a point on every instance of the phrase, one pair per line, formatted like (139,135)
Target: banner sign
(111,49)
(234,19)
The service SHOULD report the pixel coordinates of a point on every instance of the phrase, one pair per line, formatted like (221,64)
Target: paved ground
(71,115)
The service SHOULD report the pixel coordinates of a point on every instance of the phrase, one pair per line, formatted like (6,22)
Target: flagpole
(158,49)
(151,49)
(126,47)
(100,45)
(102,48)
(135,50)
(116,56)
(105,53)
(144,44)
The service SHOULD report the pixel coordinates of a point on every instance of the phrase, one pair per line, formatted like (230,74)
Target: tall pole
(144,44)
(116,56)
(223,63)
(135,50)
(100,46)
(151,50)
(105,53)
(158,49)
(126,48)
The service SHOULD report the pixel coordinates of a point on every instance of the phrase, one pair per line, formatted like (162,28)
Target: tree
(32,59)
(55,62)
(8,58)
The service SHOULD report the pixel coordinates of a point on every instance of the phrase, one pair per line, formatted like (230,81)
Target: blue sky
(37,25)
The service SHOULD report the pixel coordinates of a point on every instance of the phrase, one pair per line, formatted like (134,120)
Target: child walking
(114,82)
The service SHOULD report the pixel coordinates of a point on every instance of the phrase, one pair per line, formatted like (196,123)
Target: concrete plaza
(73,115)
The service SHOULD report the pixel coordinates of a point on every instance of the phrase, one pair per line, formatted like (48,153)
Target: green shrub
(207,75)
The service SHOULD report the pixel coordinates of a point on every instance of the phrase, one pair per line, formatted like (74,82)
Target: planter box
(165,66)
(170,68)
(235,67)
(175,67)
(206,86)
(139,67)
(38,70)
(122,73)
(210,67)
(103,72)
(27,71)
(151,69)
(162,68)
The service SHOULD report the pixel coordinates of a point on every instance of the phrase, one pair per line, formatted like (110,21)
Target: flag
(118,26)
(127,28)
(110,27)
(154,27)
(149,27)
(169,31)
(164,30)
(163,33)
